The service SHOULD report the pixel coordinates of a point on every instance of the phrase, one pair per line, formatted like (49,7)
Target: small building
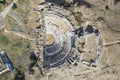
(5,64)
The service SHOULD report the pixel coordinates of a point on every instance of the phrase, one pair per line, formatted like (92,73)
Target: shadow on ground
(82,3)
(57,2)
(63,3)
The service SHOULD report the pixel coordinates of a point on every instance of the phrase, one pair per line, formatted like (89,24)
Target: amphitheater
(58,39)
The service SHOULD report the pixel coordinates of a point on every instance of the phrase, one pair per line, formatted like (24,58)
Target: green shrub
(14,6)
(4,39)
(78,17)
(107,7)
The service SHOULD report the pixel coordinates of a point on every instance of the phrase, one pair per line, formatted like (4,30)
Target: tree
(14,6)
(107,7)
(19,75)
(3,1)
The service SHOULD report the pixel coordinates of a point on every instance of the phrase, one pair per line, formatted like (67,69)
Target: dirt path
(7,9)
(18,34)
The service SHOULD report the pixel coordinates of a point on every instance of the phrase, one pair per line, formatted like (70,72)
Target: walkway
(7,9)
(18,34)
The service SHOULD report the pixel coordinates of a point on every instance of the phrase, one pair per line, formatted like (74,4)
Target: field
(18,51)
